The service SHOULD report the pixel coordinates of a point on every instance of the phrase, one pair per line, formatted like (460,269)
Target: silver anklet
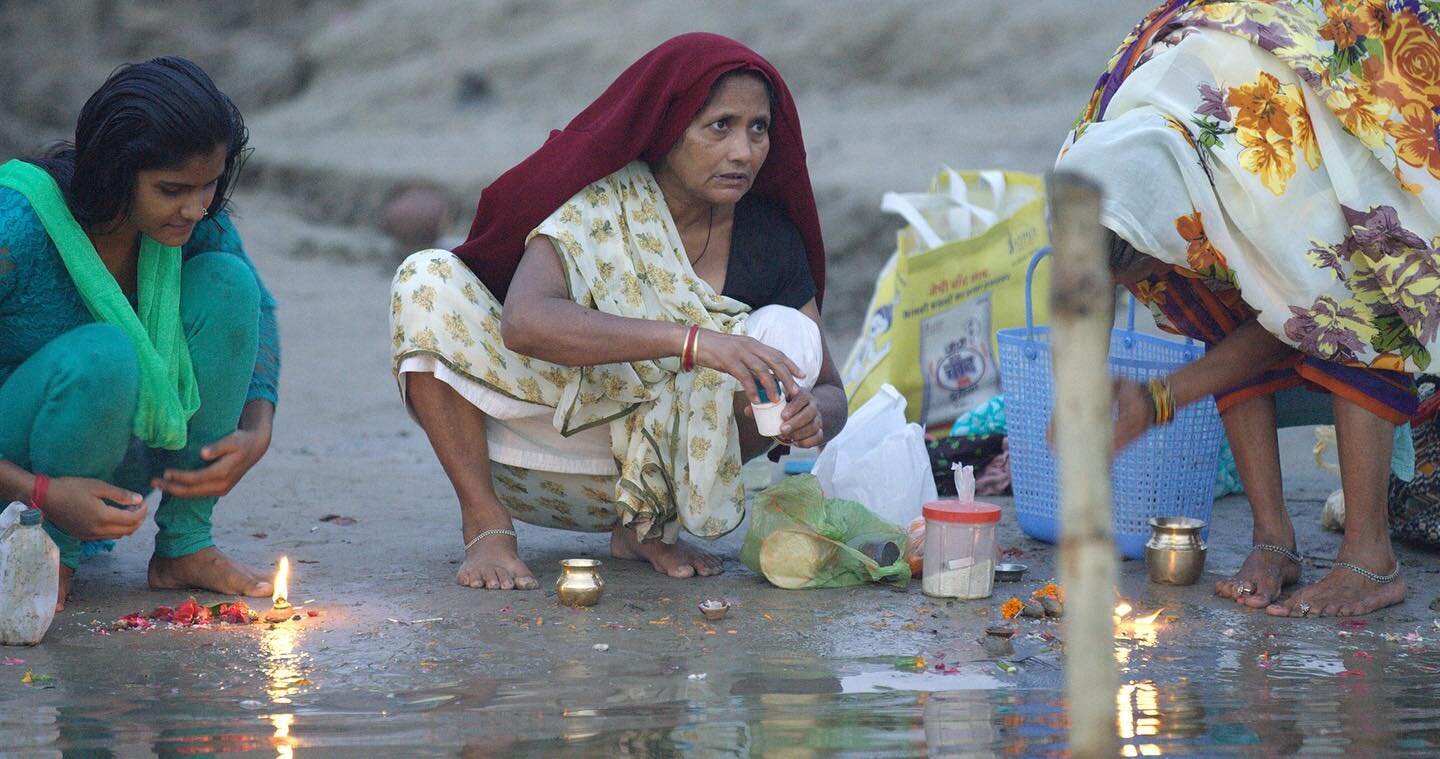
(1367,574)
(487,534)
(1282,550)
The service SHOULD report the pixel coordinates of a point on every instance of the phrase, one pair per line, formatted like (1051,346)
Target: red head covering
(641,115)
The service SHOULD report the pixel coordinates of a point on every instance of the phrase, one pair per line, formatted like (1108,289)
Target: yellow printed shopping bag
(957,275)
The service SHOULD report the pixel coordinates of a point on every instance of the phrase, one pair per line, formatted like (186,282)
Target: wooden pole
(1082,310)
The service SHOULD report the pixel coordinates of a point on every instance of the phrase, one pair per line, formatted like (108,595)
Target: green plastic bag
(800,539)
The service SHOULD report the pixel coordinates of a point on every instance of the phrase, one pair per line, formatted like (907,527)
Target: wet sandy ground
(402,658)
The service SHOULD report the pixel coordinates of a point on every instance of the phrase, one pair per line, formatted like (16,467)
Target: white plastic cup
(767,417)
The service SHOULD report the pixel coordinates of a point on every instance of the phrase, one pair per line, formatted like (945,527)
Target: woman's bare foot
(679,560)
(66,576)
(207,569)
(1342,593)
(494,563)
(1260,579)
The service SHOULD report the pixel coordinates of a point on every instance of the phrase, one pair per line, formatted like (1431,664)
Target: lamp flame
(282,584)
(1149,619)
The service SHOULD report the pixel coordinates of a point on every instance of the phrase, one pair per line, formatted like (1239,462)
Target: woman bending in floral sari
(1272,177)
(587,359)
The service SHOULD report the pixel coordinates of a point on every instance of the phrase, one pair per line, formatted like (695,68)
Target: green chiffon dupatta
(168,394)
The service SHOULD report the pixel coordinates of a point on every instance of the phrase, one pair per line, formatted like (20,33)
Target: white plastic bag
(879,461)
(792,333)
(948,213)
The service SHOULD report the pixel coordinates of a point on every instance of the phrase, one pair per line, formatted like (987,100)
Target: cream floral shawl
(672,432)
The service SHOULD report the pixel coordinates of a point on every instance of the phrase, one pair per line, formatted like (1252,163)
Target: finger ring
(1304,610)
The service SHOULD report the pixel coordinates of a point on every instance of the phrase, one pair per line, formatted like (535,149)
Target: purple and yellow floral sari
(1284,158)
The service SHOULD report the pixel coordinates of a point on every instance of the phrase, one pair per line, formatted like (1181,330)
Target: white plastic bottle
(29,577)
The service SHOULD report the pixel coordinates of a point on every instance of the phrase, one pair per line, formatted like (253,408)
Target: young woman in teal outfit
(138,347)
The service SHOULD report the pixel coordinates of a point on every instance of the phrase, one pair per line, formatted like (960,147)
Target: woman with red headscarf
(587,359)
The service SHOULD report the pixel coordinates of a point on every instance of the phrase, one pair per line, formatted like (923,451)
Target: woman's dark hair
(152,115)
(1123,255)
(736,74)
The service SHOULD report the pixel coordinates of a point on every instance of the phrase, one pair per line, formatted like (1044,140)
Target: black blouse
(768,265)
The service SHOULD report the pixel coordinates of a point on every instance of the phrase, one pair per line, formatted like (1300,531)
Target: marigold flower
(1051,589)
(1011,608)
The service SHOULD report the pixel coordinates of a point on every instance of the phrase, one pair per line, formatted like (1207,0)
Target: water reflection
(283,678)
(1153,718)
(282,663)
(30,729)
(1294,704)
(284,747)
(960,724)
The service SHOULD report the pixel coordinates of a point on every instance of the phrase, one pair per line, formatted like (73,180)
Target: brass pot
(1175,553)
(579,583)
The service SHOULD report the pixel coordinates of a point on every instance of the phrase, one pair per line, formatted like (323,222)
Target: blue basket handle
(1029,297)
(1030,309)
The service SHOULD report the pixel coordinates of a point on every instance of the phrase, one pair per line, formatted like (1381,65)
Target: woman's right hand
(749,361)
(75,505)
(1135,412)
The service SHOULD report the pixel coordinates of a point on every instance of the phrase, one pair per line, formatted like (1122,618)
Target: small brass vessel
(579,583)
(1175,552)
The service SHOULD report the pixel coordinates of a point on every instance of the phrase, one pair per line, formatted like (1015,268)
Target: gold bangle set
(1162,397)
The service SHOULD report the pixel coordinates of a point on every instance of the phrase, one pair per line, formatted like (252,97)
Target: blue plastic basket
(1169,471)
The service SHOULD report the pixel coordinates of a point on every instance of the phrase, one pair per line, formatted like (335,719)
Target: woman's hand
(801,424)
(231,457)
(1136,411)
(78,506)
(749,361)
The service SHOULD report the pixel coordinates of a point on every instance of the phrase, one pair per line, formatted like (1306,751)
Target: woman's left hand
(801,425)
(230,458)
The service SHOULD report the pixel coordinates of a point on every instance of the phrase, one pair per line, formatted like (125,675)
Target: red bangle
(687,355)
(39,491)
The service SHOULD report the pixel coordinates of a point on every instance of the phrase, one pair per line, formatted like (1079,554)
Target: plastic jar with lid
(959,549)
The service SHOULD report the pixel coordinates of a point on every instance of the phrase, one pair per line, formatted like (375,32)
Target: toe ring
(1246,590)
(1304,610)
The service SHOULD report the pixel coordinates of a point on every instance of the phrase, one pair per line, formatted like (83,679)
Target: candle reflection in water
(281,741)
(282,663)
(1137,705)
(1137,708)
(283,679)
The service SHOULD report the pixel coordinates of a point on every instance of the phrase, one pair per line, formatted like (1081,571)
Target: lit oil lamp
(1123,610)
(1137,631)
(1148,619)
(280,608)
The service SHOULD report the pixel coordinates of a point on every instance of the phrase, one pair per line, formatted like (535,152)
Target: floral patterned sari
(1284,157)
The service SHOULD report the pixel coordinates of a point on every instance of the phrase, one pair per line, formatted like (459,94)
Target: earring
(204,212)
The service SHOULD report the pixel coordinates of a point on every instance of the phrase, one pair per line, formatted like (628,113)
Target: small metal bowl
(714,608)
(1010,572)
